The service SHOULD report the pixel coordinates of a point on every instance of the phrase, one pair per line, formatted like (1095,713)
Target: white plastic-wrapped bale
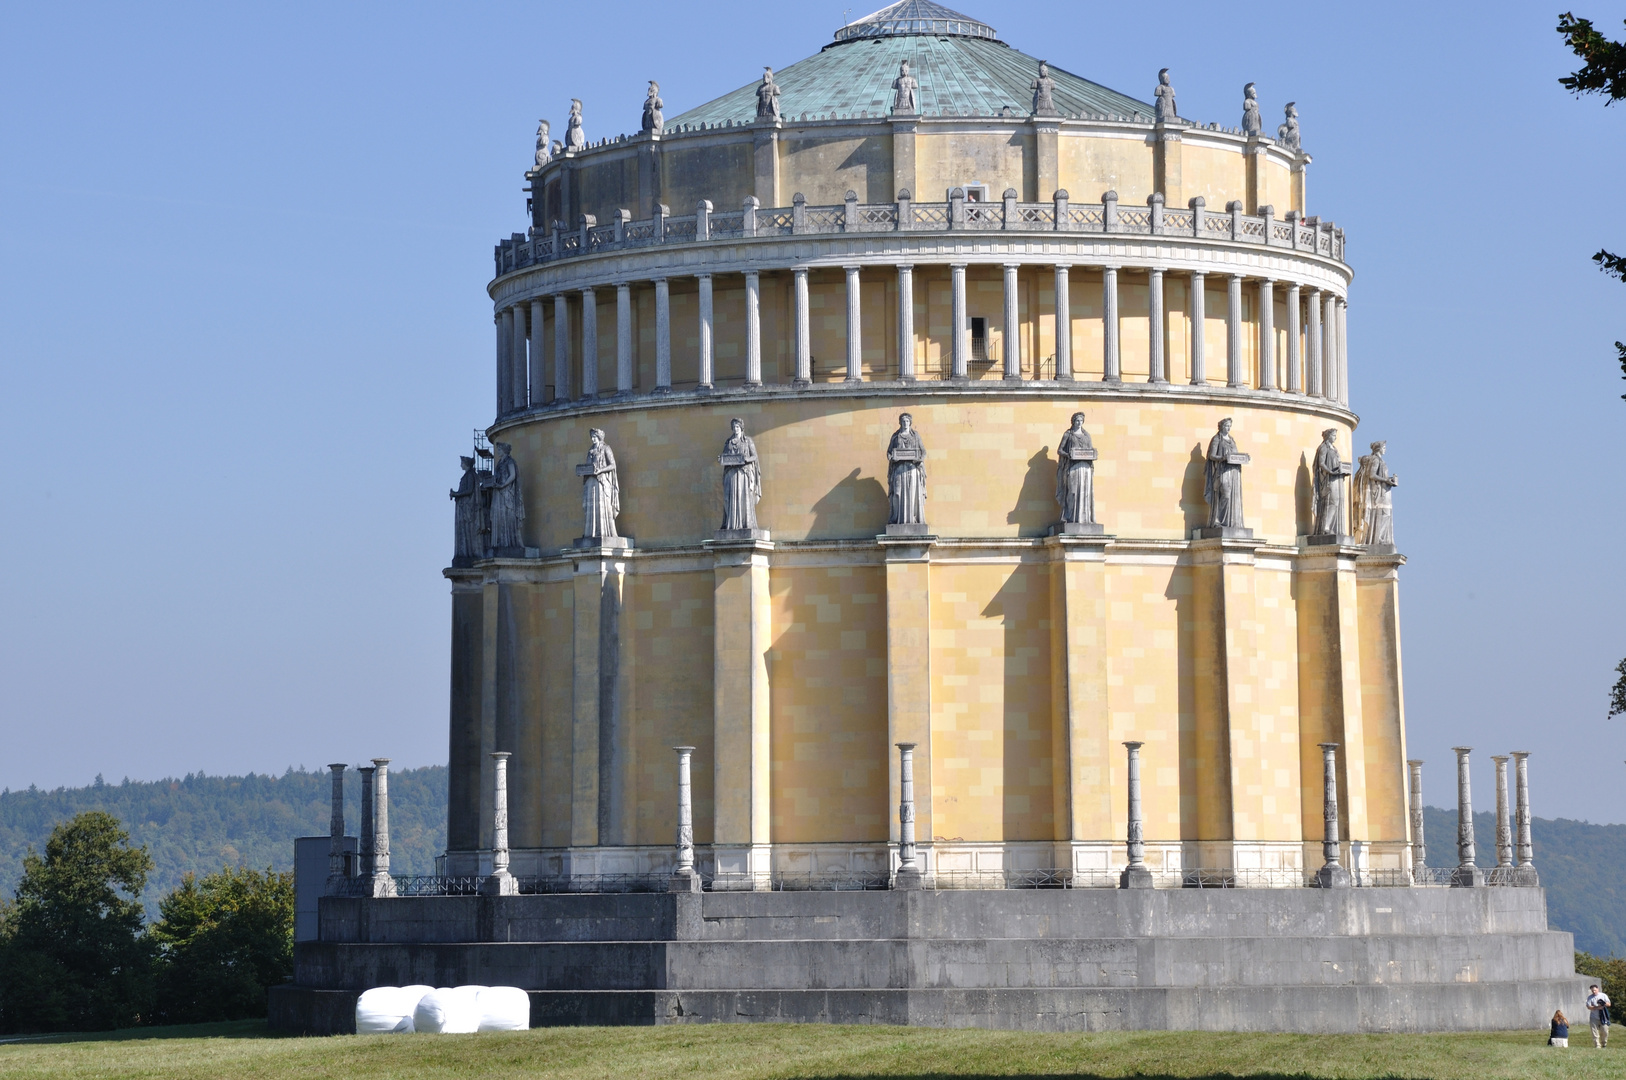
(504,1008)
(388,1009)
(451,1010)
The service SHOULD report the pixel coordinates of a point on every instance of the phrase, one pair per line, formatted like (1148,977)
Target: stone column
(335,847)
(520,384)
(623,338)
(562,381)
(1199,366)
(804,341)
(1330,360)
(589,344)
(753,329)
(1157,371)
(364,857)
(1064,323)
(538,377)
(742,623)
(1233,332)
(906,322)
(663,336)
(1521,815)
(684,879)
(1011,334)
(505,370)
(1111,366)
(908,875)
(383,884)
(707,362)
(959,332)
(1135,875)
(1312,343)
(1419,851)
(1504,824)
(1294,347)
(1467,874)
(500,882)
(1267,336)
(1332,874)
(1343,351)
(855,327)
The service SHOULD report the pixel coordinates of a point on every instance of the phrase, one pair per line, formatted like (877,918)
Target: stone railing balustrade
(1293,232)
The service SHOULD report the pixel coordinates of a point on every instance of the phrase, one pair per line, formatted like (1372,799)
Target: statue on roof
(1288,133)
(575,138)
(1165,98)
(544,151)
(768,97)
(1044,90)
(1251,124)
(654,120)
(906,101)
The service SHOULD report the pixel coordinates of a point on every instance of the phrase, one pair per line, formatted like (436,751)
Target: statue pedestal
(1380,549)
(1078,528)
(1135,877)
(914,528)
(1325,540)
(684,882)
(1221,532)
(1467,877)
(910,879)
(603,543)
(738,536)
(516,553)
(503,884)
(1332,877)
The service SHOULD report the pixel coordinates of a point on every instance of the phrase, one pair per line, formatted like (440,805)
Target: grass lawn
(740,1051)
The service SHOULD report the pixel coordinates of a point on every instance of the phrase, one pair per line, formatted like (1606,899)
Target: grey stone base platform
(1308,960)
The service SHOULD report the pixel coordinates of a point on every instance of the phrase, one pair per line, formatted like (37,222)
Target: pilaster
(1166,172)
(1046,139)
(903,155)
(766,158)
(601,694)
(467,709)
(742,635)
(1088,821)
(1383,703)
(908,680)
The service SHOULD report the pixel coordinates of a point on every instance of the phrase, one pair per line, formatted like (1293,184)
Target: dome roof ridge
(909,18)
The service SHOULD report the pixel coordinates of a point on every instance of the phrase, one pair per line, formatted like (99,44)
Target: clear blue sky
(244,337)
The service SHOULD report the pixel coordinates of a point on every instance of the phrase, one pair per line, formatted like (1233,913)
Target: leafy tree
(75,957)
(223,941)
(1617,694)
(1603,72)
(1610,972)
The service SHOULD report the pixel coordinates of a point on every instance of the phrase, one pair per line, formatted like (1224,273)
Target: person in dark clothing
(1560,1035)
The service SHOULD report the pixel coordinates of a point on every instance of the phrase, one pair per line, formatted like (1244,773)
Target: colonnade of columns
(1316,335)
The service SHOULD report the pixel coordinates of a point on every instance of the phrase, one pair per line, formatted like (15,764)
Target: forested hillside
(201,823)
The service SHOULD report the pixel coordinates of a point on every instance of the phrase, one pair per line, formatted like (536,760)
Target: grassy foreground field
(750,1051)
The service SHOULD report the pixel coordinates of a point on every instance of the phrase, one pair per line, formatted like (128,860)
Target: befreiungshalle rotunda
(924,511)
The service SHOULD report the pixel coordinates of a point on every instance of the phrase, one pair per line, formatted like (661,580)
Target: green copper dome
(963,71)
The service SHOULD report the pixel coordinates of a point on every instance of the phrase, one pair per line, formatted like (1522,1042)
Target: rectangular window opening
(979,339)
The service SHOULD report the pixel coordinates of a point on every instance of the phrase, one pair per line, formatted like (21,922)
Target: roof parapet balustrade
(1295,232)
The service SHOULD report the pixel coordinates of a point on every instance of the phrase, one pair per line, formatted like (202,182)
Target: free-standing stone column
(364,857)
(1233,332)
(855,327)
(623,338)
(663,336)
(1419,852)
(1064,323)
(501,882)
(1504,825)
(505,370)
(1329,347)
(1267,336)
(1135,875)
(562,382)
(906,322)
(335,848)
(1111,365)
(684,879)
(1312,343)
(1199,315)
(959,332)
(753,329)
(1466,875)
(589,344)
(1332,874)
(1521,788)
(383,884)
(1157,371)
(804,343)
(908,875)
(1011,334)
(538,377)
(1294,347)
(706,354)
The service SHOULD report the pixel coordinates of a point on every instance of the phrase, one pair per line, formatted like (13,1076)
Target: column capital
(703,277)
(958,265)
(1062,265)
(851,268)
(905,266)
(1012,265)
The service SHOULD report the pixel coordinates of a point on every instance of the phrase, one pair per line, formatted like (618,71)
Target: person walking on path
(1560,1035)
(1597,1003)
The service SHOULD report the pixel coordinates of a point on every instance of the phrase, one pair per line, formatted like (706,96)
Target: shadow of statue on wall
(855,507)
(1304,497)
(1027,736)
(1192,503)
(1036,510)
(1179,590)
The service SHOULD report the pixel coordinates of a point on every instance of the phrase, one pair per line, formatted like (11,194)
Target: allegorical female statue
(1075,474)
(507,504)
(575,137)
(1330,470)
(468,515)
(1044,92)
(742,479)
(1373,499)
(768,97)
(1165,98)
(654,118)
(1222,480)
(906,92)
(1251,124)
(544,152)
(906,475)
(1288,133)
(601,490)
